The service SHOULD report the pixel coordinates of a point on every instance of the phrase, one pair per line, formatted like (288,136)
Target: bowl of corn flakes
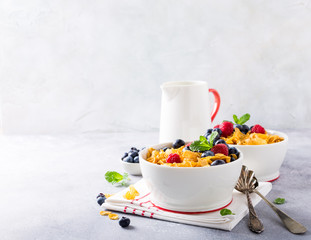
(182,180)
(264,153)
(264,150)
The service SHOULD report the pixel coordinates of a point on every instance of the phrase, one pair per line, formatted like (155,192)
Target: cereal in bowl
(240,134)
(201,153)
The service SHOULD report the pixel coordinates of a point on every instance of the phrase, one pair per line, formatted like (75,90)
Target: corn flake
(239,138)
(131,193)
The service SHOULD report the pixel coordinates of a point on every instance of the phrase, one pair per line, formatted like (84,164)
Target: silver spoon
(292,225)
(245,185)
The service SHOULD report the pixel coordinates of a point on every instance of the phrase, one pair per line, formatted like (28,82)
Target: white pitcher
(185,110)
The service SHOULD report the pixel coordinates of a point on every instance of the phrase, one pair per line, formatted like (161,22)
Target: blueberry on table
(136,159)
(101,200)
(178,143)
(128,159)
(100,195)
(125,155)
(207,154)
(124,222)
(133,154)
(218,162)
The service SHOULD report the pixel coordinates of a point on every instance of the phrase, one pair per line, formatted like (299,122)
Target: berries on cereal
(178,143)
(258,129)
(245,129)
(220,148)
(226,128)
(218,162)
(207,154)
(173,158)
(217,130)
(233,150)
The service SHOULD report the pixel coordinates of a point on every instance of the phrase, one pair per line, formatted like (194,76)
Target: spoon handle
(254,224)
(292,225)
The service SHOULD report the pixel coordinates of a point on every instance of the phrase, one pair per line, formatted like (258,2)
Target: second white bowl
(265,160)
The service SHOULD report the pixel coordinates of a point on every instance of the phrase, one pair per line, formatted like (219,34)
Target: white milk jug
(185,110)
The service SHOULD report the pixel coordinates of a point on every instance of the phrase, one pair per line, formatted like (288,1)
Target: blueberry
(133,154)
(128,159)
(136,159)
(221,141)
(207,153)
(245,129)
(215,139)
(208,132)
(218,162)
(164,149)
(238,126)
(134,149)
(124,156)
(233,150)
(100,195)
(101,200)
(217,130)
(124,222)
(232,159)
(186,149)
(178,143)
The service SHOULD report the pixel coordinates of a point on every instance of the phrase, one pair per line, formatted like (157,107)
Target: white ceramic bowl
(131,168)
(265,160)
(186,189)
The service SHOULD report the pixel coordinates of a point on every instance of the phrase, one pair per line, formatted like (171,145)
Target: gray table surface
(48,186)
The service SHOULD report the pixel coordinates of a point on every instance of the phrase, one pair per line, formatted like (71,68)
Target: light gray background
(90,66)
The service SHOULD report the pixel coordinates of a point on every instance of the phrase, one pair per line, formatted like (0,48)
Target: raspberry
(220,148)
(217,126)
(189,144)
(226,128)
(258,129)
(173,158)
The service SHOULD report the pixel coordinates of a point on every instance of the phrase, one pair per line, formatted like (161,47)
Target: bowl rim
(127,163)
(281,134)
(181,168)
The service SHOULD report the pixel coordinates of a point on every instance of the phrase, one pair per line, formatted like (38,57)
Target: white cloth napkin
(142,206)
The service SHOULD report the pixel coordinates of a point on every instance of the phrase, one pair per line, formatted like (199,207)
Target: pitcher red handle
(216,103)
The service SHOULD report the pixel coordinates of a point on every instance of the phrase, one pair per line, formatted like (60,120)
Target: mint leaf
(226,211)
(203,139)
(279,200)
(212,138)
(115,177)
(235,118)
(244,118)
(199,146)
